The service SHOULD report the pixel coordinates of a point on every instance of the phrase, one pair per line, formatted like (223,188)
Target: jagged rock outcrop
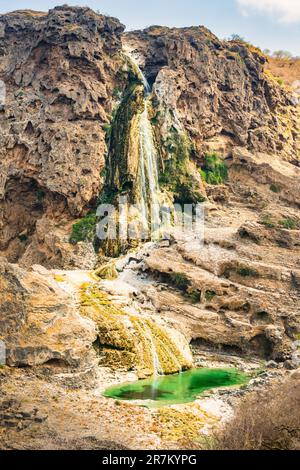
(224,299)
(215,89)
(39,321)
(67,319)
(60,71)
(65,76)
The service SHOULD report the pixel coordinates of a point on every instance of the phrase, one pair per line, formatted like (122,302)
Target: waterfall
(148,172)
(157,367)
(148,190)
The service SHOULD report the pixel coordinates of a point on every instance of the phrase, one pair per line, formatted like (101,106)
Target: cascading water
(148,173)
(148,190)
(157,367)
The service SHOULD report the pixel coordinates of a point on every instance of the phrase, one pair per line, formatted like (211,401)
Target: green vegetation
(180,281)
(40,195)
(275,188)
(288,223)
(193,296)
(117,93)
(209,295)
(246,271)
(85,229)
(268,221)
(175,176)
(214,171)
(23,238)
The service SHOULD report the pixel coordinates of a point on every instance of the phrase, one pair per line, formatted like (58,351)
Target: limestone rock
(60,70)
(39,322)
(215,89)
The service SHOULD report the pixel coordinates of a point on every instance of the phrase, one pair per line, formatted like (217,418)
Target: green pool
(179,388)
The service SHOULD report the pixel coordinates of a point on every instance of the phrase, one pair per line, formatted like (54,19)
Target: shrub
(194,296)
(236,37)
(209,295)
(246,271)
(282,54)
(268,221)
(180,281)
(84,230)
(288,223)
(214,171)
(23,237)
(265,420)
(40,195)
(275,188)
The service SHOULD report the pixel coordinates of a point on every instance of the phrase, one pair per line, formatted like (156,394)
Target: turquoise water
(175,389)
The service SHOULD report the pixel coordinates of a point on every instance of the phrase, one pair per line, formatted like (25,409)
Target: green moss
(85,229)
(119,134)
(107,271)
(126,340)
(169,355)
(114,340)
(214,170)
(175,176)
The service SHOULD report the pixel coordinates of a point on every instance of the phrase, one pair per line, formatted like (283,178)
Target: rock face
(69,129)
(39,322)
(48,318)
(216,89)
(65,75)
(60,71)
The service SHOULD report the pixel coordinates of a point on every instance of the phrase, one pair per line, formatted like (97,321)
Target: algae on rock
(129,341)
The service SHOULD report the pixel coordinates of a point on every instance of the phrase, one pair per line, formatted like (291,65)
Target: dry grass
(285,69)
(265,420)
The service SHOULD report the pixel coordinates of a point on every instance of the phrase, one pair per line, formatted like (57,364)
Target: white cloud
(285,11)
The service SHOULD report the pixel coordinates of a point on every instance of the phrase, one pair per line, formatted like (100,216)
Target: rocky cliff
(65,76)
(224,131)
(60,71)
(218,90)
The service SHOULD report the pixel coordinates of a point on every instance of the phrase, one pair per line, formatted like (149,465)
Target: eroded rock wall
(59,70)
(215,89)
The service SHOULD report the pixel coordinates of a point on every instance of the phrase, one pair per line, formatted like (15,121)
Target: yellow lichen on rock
(130,341)
(184,425)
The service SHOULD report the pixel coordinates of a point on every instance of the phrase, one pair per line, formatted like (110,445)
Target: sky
(269,24)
